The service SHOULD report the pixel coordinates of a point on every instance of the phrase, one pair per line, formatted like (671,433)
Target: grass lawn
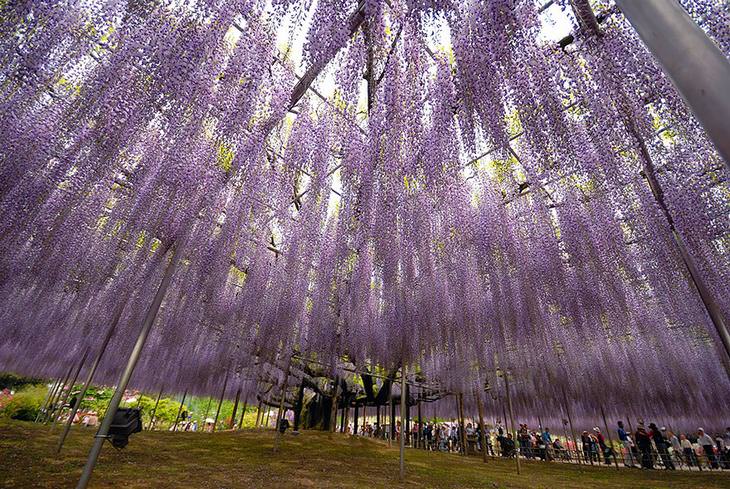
(312,459)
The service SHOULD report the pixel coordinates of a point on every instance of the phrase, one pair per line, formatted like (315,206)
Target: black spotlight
(126,422)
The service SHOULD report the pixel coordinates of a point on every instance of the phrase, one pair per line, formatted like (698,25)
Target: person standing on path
(628,444)
(643,440)
(705,441)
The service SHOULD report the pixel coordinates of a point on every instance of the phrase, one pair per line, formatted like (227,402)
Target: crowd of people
(648,447)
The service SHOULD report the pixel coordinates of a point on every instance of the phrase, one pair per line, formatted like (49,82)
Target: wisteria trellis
(125,126)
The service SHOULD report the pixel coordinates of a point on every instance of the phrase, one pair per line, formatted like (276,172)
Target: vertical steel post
(483,434)
(70,388)
(43,409)
(258,415)
(610,440)
(402,423)
(511,418)
(129,369)
(235,408)
(243,413)
(43,413)
(179,410)
(420,425)
(220,402)
(207,410)
(462,427)
(280,412)
(692,38)
(90,374)
(333,412)
(696,66)
(51,412)
(570,422)
(154,411)
(713,310)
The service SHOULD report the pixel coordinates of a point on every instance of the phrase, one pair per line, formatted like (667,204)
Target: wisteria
(470,208)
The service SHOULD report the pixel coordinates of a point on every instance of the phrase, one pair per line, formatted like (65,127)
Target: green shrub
(14,382)
(25,404)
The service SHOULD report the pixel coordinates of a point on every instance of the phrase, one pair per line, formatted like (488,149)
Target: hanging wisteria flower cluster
(471,210)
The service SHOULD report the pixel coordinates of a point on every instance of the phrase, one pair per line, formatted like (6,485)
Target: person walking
(643,440)
(676,446)
(628,444)
(705,441)
(687,450)
(605,449)
(662,445)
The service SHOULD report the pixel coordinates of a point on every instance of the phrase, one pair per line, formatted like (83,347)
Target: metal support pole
(220,402)
(356,420)
(570,422)
(70,388)
(483,434)
(610,440)
(179,410)
(713,311)
(696,66)
(511,418)
(687,37)
(90,377)
(280,412)
(404,370)
(129,369)
(462,428)
(43,414)
(235,408)
(420,426)
(207,410)
(333,412)
(154,411)
(44,406)
(51,412)
(377,417)
(243,413)
(391,435)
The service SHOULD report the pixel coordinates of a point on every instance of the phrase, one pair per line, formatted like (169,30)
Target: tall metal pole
(43,413)
(462,428)
(154,411)
(43,409)
(90,377)
(235,408)
(51,412)
(511,418)
(570,422)
(179,410)
(691,39)
(129,369)
(696,66)
(220,402)
(71,386)
(243,412)
(610,439)
(402,423)
(420,425)
(280,412)
(333,413)
(483,434)
(258,415)
(716,315)
(207,410)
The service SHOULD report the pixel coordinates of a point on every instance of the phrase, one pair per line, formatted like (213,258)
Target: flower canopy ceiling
(441,184)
